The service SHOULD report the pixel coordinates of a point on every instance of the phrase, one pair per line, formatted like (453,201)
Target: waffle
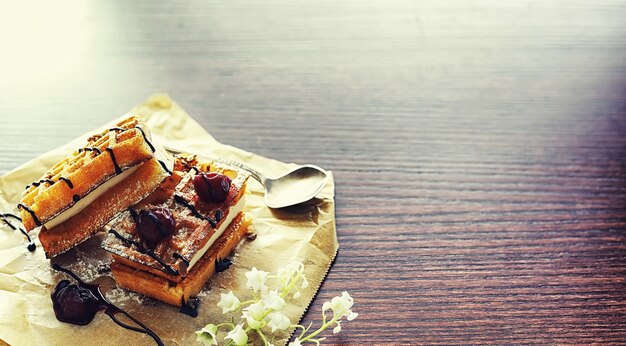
(104,155)
(91,219)
(80,194)
(176,269)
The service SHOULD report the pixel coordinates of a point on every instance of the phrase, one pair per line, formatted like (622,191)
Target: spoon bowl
(295,187)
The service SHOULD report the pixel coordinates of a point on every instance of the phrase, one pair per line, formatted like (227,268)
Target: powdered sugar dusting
(121,296)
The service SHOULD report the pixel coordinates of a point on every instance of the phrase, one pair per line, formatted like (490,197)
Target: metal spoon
(294,187)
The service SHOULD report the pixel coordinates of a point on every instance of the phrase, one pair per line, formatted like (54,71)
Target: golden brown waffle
(177,293)
(163,270)
(90,220)
(104,155)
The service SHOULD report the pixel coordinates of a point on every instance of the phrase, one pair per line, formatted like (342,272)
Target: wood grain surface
(478,146)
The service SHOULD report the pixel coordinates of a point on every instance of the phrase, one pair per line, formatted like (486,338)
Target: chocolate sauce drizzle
(51,182)
(181,200)
(181,257)
(148,252)
(5,217)
(67,181)
(31,212)
(118,170)
(222,264)
(165,167)
(92,149)
(218,215)
(110,309)
(37,183)
(76,198)
(145,138)
(190,307)
(140,130)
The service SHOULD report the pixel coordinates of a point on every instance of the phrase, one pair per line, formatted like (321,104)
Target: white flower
(229,302)
(296,342)
(286,273)
(337,329)
(273,301)
(238,335)
(340,305)
(352,316)
(296,295)
(256,279)
(254,315)
(278,321)
(305,283)
(207,335)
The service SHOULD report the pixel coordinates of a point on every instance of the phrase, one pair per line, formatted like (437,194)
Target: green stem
(288,288)
(225,324)
(248,302)
(322,328)
(262,337)
(296,326)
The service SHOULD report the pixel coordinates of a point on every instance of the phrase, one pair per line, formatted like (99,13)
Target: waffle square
(165,269)
(90,220)
(105,155)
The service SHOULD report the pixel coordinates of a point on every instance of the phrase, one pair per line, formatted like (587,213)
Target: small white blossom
(278,321)
(273,301)
(256,279)
(340,305)
(296,342)
(238,336)
(352,316)
(305,283)
(207,335)
(296,295)
(286,273)
(229,302)
(337,329)
(254,315)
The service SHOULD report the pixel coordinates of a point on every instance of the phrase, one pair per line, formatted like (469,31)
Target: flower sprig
(262,313)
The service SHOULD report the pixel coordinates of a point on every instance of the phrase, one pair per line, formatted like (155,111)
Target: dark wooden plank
(478,147)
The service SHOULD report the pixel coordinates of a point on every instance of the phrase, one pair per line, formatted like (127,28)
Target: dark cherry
(212,187)
(155,225)
(74,304)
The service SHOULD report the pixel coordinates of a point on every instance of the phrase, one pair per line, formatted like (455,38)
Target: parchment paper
(305,232)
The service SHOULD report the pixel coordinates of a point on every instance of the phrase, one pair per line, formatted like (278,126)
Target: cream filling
(232,212)
(159,154)
(89,198)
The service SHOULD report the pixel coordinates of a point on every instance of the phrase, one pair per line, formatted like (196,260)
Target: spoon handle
(256,175)
(169,147)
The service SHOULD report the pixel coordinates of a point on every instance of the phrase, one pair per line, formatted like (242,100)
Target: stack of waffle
(122,179)
(79,195)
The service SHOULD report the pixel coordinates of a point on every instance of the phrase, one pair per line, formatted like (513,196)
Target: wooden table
(478,147)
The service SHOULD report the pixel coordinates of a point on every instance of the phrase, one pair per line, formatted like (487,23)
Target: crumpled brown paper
(305,232)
